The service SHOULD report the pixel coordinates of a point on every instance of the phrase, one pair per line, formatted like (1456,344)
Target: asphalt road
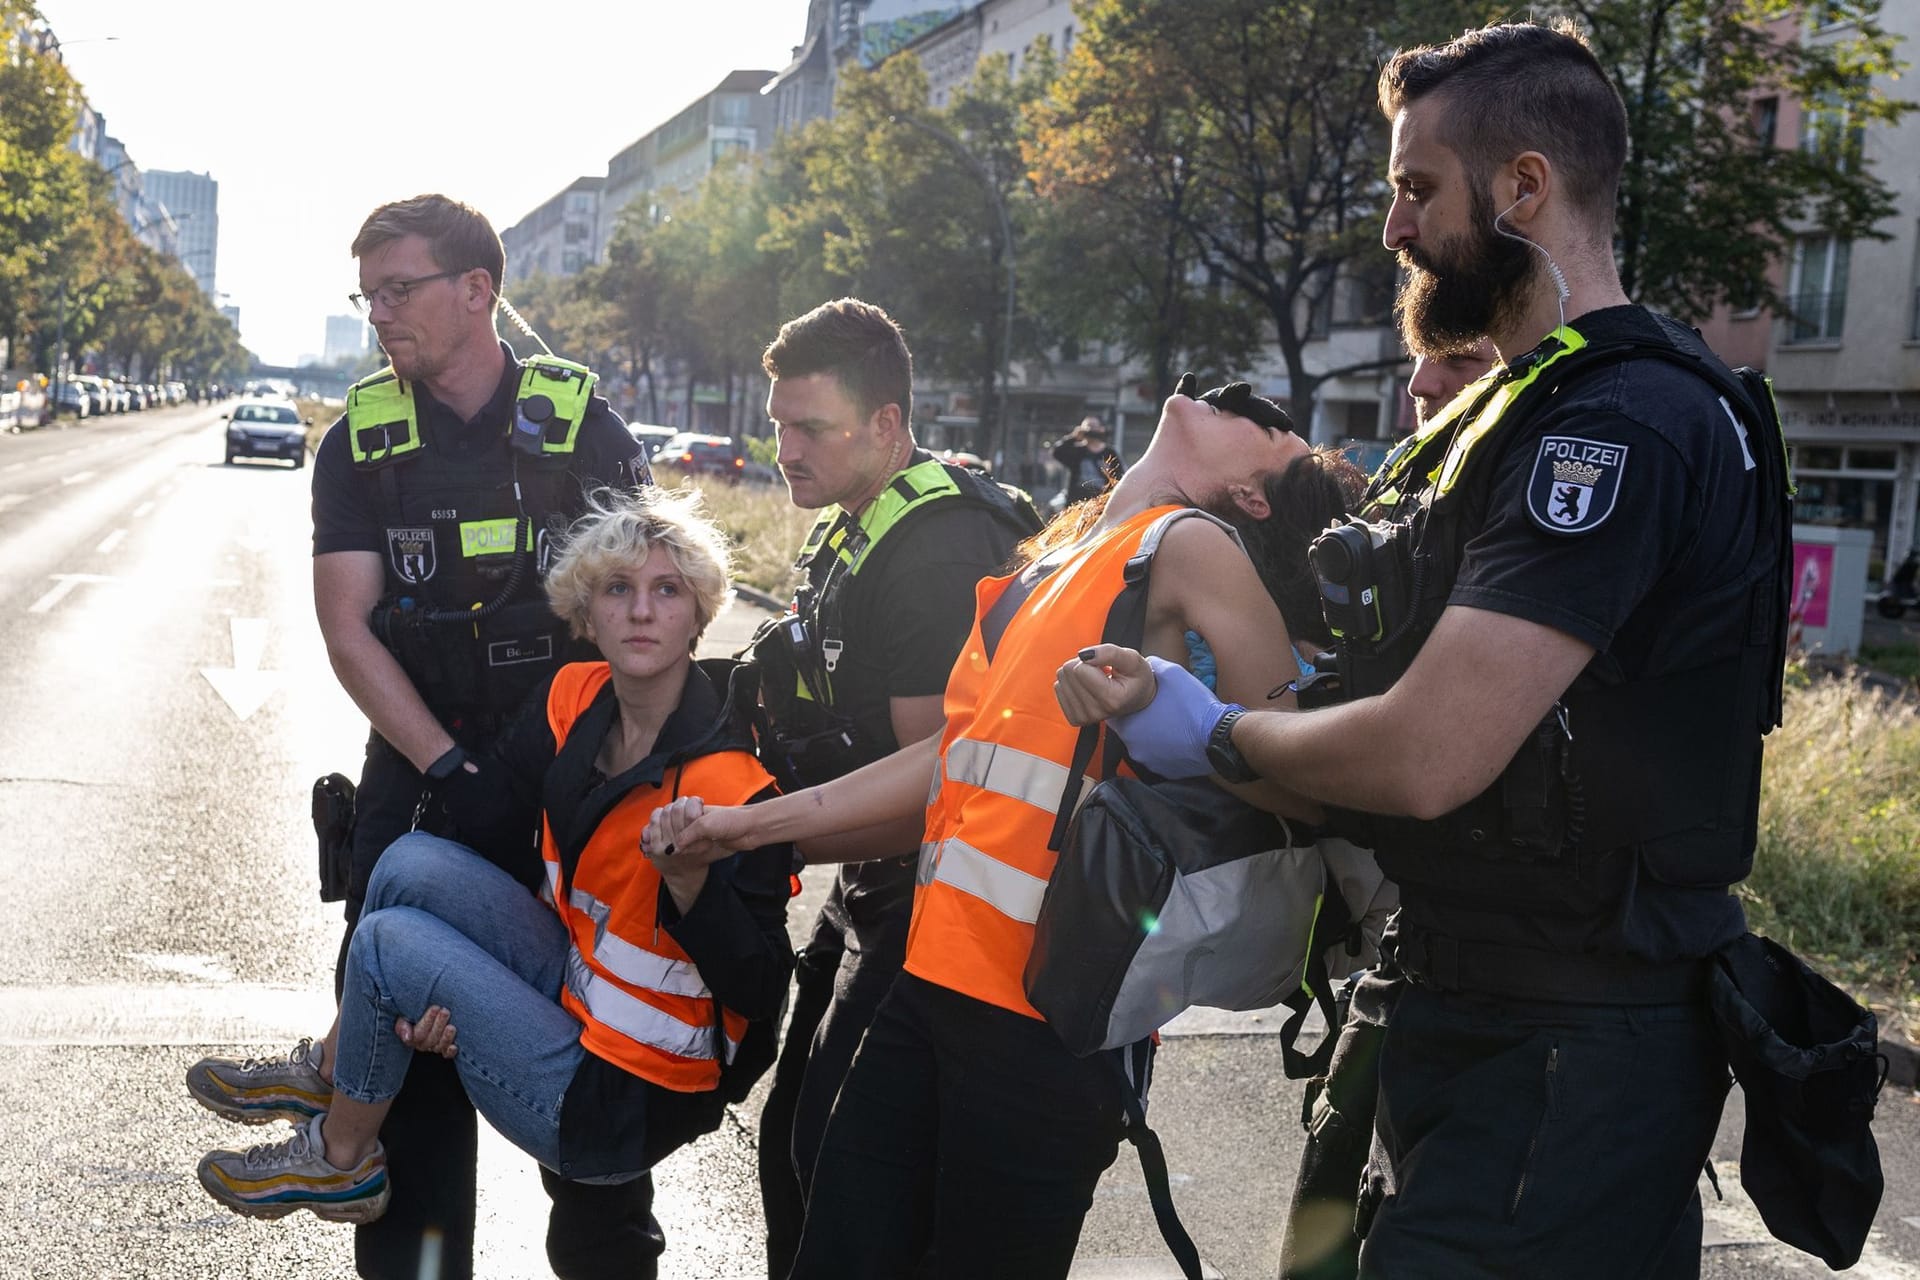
(164,707)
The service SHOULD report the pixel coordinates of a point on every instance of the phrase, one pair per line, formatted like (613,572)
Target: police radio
(530,419)
(1369,591)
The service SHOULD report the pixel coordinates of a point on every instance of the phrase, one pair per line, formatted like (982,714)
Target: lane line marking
(79,477)
(62,584)
(112,540)
(10,500)
(13,466)
(142,509)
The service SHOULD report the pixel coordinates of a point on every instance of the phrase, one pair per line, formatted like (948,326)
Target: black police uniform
(1550,1077)
(1089,470)
(901,620)
(429,517)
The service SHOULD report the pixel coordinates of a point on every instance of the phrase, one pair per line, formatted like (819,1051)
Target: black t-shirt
(903,619)
(346,502)
(1623,514)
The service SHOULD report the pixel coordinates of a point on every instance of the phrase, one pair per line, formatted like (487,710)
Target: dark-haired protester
(890,568)
(1564,781)
(425,516)
(592,1029)
(967,1140)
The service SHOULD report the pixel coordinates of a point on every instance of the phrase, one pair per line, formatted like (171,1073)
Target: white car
(258,428)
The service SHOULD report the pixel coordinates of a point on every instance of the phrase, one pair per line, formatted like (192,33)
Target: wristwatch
(1222,755)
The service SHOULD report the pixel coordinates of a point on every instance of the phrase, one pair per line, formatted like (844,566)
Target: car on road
(650,437)
(72,397)
(259,428)
(699,455)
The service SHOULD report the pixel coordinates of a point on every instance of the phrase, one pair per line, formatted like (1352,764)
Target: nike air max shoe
(274,1179)
(259,1090)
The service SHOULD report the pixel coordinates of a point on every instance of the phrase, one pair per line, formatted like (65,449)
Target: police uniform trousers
(431,1135)
(966,1143)
(1524,1139)
(840,979)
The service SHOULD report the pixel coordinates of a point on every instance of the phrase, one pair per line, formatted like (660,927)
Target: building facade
(192,201)
(730,122)
(346,340)
(556,239)
(1845,359)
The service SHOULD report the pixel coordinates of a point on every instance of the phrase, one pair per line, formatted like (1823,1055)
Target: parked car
(699,455)
(650,436)
(99,399)
(73,398)
(266,429)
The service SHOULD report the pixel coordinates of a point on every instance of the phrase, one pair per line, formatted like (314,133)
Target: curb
(1903,1063)
(755,596)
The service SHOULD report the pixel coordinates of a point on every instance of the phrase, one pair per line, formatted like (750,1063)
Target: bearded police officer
(1550,729)
(436,501)
(856,670)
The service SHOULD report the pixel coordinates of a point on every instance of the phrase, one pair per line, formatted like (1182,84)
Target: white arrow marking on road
(243,686)
(108,543)
(79,476)
(62,584)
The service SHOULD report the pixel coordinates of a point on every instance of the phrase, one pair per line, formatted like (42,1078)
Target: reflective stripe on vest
(984,860)
(1009,771)
(1009,890)
(637,1020)
(643,1003)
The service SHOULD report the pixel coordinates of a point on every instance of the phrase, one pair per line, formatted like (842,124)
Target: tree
(1706,203)
(905,215)
(1253,127)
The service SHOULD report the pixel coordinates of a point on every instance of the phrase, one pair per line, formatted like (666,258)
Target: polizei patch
(410,552)
(1575,483)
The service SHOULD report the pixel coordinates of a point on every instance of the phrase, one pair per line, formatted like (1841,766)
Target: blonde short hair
(619,530)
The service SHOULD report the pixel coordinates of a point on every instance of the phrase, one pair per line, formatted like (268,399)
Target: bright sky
(310,114)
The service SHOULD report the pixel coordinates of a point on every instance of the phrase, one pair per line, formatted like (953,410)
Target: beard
(1471,285)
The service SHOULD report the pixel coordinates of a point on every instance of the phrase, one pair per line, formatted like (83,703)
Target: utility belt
(473,666)
(1443,963)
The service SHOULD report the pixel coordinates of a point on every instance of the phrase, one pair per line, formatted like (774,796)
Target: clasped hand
(688,834)
(1159,710)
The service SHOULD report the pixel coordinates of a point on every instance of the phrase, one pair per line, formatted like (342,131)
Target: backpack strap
(1134,1065)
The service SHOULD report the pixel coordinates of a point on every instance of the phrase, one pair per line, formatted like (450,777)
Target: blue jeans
(444,926)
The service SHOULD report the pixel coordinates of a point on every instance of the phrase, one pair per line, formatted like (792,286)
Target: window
(1766,120)
(1066,40)
(1828,131)
(1913,312)
(1817,294)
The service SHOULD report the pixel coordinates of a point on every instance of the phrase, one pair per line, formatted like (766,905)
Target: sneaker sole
(211,1093)
(359,1211)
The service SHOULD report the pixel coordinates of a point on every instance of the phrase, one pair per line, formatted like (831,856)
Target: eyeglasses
(394,293)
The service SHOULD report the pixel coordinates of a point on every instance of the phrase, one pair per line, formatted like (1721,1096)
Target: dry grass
(766,528)
(1837,872)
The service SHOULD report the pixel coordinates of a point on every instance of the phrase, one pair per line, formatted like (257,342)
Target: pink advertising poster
(1812,583)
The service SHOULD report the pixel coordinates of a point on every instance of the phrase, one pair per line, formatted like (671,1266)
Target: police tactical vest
(1665,765)
(468,537)
(800,651)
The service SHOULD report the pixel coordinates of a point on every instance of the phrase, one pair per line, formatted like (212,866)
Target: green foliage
(69,264)
(1901,661)
(1706,205)
(1837,871)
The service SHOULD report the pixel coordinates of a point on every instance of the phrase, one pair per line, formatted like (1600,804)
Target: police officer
(1438,378)
(435,501)
(856,670)
(1564,778)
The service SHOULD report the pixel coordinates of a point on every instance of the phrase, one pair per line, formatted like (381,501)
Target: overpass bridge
(312,380)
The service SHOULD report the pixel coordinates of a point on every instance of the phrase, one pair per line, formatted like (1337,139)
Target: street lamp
(981,172)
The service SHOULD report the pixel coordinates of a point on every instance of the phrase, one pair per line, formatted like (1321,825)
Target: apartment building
(1845,359)
(558,237)
(732,120)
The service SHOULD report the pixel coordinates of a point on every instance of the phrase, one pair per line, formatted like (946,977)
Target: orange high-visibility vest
(1004,760)
(642,1004)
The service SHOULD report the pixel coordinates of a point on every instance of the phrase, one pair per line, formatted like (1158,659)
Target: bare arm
(1439,737)
(886,795)
(1203,582)
(346,586)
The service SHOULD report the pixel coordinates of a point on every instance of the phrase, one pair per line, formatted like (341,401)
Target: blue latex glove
(1169,735)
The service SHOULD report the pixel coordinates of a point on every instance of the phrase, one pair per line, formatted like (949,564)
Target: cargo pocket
(1549,1112)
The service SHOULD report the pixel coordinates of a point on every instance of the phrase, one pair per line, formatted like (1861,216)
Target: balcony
(1816,317)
